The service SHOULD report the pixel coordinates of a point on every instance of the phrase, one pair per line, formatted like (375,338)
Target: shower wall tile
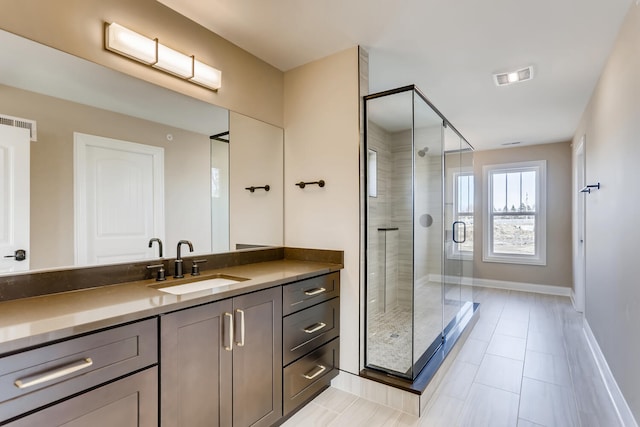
(378,217)
(390,268)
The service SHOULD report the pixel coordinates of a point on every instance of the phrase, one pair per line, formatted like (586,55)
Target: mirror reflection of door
(579,267)
(119,199)
(14,198)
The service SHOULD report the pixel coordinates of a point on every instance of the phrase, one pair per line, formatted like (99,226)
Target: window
(372,169)
(463,213)
(515,220)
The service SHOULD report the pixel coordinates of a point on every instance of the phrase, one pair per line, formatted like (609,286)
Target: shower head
(422,152)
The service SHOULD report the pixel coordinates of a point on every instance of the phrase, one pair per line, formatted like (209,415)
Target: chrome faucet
(155,239)
(178,270)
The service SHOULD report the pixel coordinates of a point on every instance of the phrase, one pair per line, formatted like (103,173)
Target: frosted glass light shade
(174,62)
(206,75)
(129,43)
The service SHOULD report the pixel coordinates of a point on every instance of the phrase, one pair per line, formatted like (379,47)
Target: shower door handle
(464,231)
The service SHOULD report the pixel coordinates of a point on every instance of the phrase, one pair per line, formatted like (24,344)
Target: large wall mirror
(206,181)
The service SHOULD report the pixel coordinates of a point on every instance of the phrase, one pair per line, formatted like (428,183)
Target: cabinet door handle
(320,369)
(315,328)
(53,374)
(316,291)
(241,342)
(229,336)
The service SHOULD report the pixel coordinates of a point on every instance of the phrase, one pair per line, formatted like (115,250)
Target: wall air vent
(20,123)
(521,75)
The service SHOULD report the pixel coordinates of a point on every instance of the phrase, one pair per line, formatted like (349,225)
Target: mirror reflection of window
(372,165)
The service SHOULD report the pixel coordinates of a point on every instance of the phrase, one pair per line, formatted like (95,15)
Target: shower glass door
(403,232)
(427,233)
(459,200)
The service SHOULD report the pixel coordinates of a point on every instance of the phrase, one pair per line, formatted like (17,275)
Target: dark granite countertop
(33,321)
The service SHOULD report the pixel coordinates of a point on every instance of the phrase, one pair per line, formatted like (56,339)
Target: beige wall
(249,85)
(187,201)
(612,129)
(322,142)
(558,271)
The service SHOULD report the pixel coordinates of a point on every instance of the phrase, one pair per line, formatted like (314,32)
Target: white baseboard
(622,408)
(503,284)
(574,303)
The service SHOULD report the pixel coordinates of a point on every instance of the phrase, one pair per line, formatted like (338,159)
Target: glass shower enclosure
(414,259)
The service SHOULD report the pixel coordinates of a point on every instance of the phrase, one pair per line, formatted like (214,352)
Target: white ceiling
(448,48)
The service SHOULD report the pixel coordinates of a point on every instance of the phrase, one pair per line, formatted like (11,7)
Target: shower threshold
(456,332)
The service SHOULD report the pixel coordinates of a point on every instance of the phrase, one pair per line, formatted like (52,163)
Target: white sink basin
(201,285)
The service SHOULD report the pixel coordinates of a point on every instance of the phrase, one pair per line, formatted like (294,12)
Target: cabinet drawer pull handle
(53,374)
(241,342)
(316,291)
(315,328)
(229,336)
(320,370)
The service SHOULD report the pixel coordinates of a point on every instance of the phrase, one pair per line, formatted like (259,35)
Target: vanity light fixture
(130,44)
(511,77)
(174,62)
(126,42)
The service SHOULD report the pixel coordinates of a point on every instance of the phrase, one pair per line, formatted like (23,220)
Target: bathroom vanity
(248,353)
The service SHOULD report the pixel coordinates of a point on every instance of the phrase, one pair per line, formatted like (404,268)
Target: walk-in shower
(419,216)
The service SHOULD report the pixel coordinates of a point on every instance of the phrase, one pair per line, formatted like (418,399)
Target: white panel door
(119,199)
(14,197)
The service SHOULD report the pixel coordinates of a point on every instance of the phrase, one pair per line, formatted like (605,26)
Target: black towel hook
(303,184)
(253,189)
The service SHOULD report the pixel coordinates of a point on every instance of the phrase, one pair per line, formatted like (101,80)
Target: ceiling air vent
(521,75)
(20,123)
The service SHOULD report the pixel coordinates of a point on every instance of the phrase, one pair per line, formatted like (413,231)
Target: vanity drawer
(39,376)
(303,294)
(130,401)
(307,329)
(305,378)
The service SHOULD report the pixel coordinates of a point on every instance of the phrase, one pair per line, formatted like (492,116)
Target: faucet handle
(160,274)
(195,268)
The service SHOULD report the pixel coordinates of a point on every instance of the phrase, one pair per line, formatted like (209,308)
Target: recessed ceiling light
(517,76)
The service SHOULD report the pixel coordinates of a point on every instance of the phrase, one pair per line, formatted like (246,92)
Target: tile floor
(526,363)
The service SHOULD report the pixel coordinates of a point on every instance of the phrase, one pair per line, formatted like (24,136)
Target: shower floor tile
(390,340)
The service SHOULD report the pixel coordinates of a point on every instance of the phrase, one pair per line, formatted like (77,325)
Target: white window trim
(454,252)
(540,256)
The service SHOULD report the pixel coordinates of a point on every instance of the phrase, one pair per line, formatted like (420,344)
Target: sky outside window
(514,190)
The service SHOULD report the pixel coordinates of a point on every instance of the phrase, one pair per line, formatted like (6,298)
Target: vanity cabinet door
(221,363)
(196,369)
(257,358)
